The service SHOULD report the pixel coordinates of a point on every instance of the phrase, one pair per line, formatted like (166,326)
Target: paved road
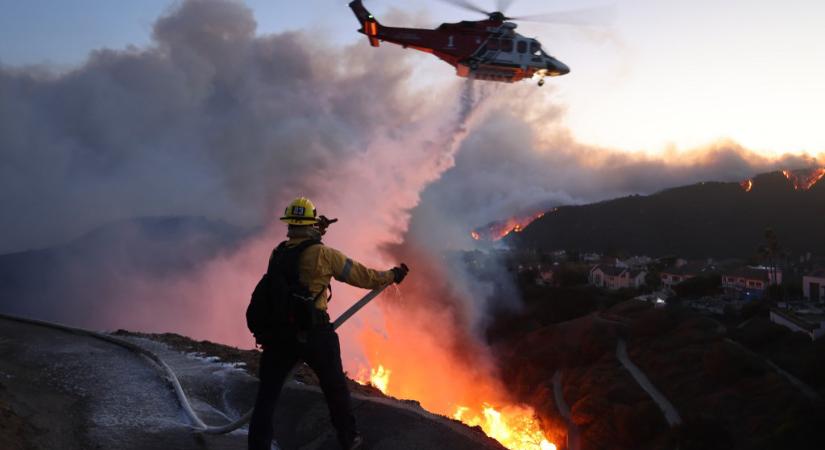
(81,393)
(671,415)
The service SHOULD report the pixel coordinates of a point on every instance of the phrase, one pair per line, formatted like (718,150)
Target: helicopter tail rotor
(369,25)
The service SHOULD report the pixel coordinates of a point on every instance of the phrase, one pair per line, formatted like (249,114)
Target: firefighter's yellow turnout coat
(318,264)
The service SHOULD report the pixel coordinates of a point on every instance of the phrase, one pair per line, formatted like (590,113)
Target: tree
(771,252)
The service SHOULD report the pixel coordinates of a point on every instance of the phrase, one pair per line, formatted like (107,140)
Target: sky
(219,112)
(665,74)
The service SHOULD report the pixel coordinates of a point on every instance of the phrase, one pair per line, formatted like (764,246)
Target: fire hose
(197,424)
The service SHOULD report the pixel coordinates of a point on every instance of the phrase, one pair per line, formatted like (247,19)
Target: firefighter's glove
(324,223)
(400,272)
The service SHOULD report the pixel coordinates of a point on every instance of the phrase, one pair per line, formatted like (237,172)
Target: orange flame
(514,427)
(444,385)
(426,340)
(378,378)
(747,185)
(803,180)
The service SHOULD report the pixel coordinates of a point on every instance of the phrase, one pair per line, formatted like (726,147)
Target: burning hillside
(500,229)
(804,179)
(800,179)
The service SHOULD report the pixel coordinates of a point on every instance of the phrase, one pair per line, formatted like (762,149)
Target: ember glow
(498,230)
(747,185)
(804,179)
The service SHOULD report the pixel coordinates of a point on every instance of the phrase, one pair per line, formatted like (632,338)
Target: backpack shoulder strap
(285,258)
(276,257)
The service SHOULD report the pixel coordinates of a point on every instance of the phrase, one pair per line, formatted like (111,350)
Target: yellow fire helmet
(300,212)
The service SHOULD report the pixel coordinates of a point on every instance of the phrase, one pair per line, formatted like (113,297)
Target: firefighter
(318,345)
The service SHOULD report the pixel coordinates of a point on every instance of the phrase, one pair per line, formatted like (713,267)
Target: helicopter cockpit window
(535,48)
(493,44)
(506,45)
(521,46)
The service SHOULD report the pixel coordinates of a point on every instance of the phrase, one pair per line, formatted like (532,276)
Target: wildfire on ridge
(498,230)
(747,185)
(803,180)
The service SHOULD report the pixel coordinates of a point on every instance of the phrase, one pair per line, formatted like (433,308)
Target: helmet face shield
(300,212)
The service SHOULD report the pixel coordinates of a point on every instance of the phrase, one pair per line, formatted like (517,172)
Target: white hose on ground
(197,424)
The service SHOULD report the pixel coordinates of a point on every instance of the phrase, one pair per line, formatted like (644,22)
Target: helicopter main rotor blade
(503,5)
(467,5)
(596,16)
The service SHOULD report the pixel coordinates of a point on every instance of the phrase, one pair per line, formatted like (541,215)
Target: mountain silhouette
(710,219)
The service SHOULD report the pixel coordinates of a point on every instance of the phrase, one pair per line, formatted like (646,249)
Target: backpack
(281,306)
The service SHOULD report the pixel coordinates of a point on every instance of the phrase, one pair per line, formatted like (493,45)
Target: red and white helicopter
(483,49)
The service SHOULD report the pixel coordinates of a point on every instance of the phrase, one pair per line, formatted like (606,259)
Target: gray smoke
(211,120)
(511,165)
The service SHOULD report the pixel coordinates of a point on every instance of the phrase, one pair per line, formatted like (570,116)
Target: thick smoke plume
(211,120)
(215,121)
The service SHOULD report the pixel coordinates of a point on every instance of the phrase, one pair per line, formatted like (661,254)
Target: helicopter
(487,49)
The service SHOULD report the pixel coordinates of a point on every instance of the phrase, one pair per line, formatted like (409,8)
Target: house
(811,325)
(685,271)
(749,282)
(677,274)
(612,277)
(813,286)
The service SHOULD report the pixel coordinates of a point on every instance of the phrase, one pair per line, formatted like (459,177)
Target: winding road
(669,411)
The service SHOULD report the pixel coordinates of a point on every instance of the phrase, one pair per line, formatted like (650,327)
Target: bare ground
(67,392)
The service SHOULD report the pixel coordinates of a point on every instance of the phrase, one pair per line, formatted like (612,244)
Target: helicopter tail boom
(369,25)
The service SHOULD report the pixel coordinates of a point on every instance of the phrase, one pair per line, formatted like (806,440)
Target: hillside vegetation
(702,220)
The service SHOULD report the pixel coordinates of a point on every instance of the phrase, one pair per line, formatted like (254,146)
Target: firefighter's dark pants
(322,352)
